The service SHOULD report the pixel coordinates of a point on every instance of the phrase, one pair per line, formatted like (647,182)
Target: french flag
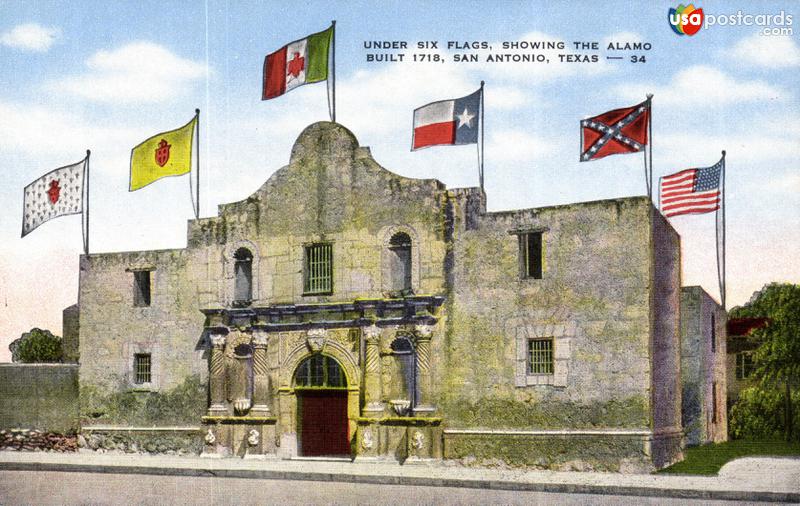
(447,122)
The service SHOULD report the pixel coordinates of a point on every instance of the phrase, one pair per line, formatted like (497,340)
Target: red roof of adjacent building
(743,326)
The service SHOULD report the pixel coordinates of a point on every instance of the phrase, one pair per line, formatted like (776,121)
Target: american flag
(691,191)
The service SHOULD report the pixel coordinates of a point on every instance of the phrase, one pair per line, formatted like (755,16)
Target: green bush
(760,414)
(39,346)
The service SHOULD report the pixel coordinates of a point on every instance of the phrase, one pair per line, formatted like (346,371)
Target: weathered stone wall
(328,192)
(665,341)
(39,396)
(113,330)
(619,453)
(592,299)
(331,191)
(70,331)
(702,366)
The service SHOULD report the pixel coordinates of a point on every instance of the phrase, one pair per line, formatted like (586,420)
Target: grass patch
(708,459)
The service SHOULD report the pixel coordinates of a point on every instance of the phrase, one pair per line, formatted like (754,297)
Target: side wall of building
(592,301)
(666,343)
(704,374)
(170,329)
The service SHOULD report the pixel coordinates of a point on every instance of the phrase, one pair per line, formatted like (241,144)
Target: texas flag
(447,122)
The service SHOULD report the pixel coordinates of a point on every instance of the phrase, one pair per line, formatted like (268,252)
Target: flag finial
(88,152)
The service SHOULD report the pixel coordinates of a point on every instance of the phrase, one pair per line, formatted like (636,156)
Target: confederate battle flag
(615,132)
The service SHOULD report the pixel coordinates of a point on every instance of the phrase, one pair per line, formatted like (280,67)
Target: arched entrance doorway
(321,388)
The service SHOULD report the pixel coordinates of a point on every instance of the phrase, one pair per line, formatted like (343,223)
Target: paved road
(66,488)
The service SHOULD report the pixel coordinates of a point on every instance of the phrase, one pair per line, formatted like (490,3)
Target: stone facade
(421,335)
(703,367)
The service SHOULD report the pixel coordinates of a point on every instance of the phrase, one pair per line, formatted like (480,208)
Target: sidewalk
(751,479)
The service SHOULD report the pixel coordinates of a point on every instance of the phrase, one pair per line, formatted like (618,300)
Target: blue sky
(106,75)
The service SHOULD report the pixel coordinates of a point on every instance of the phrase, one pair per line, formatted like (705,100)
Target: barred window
(318,269)
(744,364)
(320,371)
(540,356)
(530,249)
(142,368)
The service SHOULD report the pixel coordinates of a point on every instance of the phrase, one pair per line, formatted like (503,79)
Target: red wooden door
(324,427)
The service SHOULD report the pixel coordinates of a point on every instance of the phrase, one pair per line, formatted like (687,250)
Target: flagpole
(721,252)
(86,204)
(333,70)
(480,172)
(724,191)
(659,192)
(197,145)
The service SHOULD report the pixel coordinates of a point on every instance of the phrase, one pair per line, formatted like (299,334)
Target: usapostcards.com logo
(687,20)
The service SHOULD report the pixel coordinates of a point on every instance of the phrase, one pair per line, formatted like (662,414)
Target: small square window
(141,288)
(530,249)
(142,367)
(540,356)
(318,269)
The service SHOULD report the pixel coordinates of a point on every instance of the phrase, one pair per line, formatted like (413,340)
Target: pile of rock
(36,440)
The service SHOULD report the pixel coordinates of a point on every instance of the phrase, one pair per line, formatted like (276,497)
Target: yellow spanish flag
(162,155)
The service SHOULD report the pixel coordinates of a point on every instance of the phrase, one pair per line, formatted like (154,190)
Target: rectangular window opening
(531,254)
(713,335)
(141,288)
(142,368)
(540,356)
(318,269)
(744,365)
(714,402)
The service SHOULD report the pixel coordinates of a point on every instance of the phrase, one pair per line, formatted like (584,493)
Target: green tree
(777,359)
(39,346)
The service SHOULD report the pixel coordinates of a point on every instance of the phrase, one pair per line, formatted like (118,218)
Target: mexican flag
(303,61)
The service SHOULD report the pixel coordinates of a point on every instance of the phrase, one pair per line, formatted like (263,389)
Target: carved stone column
(424,405)
(260,374)
(216,376)
(372,374)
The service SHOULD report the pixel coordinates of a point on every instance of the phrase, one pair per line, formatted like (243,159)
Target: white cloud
(24,124)
(135,73)
(766,51)
(30,37)
(703,86)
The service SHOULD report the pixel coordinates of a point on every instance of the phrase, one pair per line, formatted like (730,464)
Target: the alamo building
(343,310)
